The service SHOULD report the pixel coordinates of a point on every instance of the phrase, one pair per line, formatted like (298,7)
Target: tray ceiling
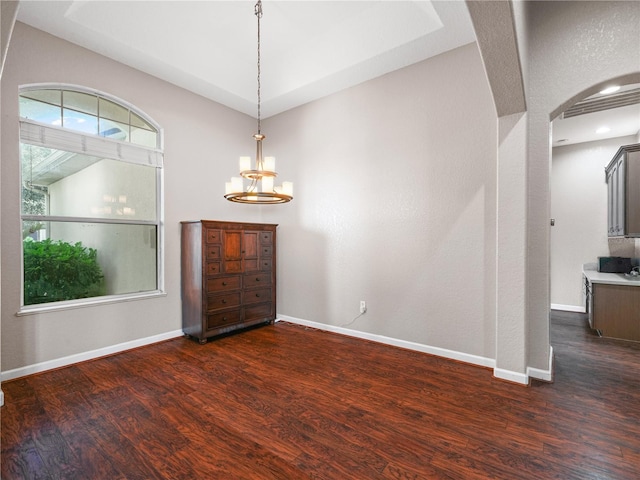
(309,48)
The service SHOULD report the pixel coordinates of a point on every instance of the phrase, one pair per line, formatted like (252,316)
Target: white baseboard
(538,374)
(511,376)
(84,356)
(568,308)
(543,375)
(440,352)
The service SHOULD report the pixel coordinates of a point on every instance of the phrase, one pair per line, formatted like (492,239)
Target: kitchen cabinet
(616,311)
(623,192)
(228,277)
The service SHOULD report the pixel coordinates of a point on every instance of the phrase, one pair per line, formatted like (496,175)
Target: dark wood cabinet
(616,311)
(228,277)
(623,187)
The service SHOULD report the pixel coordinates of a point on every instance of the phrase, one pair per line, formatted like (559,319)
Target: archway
(580,150)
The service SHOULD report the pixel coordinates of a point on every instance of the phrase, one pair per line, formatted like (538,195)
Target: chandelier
(259,188)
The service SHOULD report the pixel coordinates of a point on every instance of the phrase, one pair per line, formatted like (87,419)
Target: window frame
(158,155)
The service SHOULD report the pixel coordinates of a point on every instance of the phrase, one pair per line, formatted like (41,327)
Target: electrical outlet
(363,306)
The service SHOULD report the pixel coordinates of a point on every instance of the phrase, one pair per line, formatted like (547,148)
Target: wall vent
(592,105)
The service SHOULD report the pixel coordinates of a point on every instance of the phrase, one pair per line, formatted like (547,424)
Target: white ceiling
(621,121)
(309,48)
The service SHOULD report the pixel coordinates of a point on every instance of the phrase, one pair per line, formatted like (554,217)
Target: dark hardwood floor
(285,402)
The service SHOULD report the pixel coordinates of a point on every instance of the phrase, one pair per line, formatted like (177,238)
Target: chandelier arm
(254,185)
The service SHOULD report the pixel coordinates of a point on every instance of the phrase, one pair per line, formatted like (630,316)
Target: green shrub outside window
(55,271)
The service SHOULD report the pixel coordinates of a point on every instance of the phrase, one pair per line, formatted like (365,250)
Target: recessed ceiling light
(562,140)
(603,130)
(609,90)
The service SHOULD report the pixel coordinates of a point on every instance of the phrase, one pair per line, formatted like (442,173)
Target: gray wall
(395,205)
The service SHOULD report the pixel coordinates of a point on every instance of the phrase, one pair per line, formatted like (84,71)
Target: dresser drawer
(212,268)
(223,284)
(212,235)
(266,250)
(259,312)
(266,238)
(256,280)
(256,296)
(226,300)
(222,319)
(212,252)
(266,264)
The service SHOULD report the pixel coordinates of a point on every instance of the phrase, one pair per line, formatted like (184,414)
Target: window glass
(79,185)
(81,122)
(53,97)
(69,260)
(34,195)
(81,102)
(142,133)
(141,136)
(39,111)
(87,113)
(114,130)
(113,111)
(137,121)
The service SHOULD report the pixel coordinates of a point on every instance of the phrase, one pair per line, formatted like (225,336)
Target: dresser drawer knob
(224,284)
(224,300)
(257,295)
(257,279)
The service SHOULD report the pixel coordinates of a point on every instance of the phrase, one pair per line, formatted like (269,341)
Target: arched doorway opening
(584,138)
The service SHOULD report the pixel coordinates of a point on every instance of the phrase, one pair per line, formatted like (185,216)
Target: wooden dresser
(228,279)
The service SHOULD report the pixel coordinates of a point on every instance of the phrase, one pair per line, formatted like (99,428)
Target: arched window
(91,175)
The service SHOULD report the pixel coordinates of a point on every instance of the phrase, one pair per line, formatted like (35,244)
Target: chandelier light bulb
(245,163)
(270,164)
(267,184)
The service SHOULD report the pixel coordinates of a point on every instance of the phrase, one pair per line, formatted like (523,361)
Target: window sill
(88,302)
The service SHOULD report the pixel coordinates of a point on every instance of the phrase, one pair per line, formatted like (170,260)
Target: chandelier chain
(258,13)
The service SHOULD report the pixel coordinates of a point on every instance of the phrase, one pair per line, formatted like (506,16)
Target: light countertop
(590,271)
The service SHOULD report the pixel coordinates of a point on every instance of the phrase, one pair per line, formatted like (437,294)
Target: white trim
(83,357)
(569,308)
(1,398)
(543,375)
(511,376)
(440,352)
(86,302)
